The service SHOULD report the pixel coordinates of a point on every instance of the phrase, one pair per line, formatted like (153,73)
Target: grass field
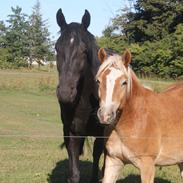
(31,133)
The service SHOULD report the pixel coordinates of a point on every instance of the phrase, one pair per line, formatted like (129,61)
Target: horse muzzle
(106,118)
(66,96)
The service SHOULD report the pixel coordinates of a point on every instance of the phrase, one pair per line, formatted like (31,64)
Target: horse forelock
(75,39)
(115,62)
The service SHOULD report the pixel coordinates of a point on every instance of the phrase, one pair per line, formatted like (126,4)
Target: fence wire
(90,141)
(85,136)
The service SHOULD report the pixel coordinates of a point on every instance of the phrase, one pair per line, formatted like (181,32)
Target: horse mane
(113,60)
(93,53)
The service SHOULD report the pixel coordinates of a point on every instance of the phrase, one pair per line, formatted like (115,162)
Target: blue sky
(101,11)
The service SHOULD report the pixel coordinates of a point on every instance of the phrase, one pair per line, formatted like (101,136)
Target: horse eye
(124,83)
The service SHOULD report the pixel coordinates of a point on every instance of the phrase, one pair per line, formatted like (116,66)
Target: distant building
(36,62)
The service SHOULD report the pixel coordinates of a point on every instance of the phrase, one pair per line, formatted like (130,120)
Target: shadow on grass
(59,174)
(136,179)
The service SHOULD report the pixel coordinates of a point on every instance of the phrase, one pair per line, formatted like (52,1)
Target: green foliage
(4,54)
(15,38)
(116,43)
(162,58)
(151,20)
(153,31)
(25,38)
(2,34)
(39,42)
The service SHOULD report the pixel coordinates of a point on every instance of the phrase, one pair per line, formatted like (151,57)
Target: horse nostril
(99,112)
(72,90)
(113,115)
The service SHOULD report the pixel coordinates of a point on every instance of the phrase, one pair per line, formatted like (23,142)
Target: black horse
(77,64)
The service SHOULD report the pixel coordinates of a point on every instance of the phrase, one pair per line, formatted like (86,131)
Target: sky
(101,12)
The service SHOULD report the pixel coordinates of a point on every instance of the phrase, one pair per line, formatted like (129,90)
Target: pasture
(31,133)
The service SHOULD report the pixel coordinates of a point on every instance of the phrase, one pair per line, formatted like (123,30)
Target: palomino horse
(144,127)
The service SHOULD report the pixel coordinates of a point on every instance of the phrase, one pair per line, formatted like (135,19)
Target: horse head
(114,81)
(72,49)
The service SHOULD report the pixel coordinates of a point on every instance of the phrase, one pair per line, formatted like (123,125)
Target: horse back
(175,90)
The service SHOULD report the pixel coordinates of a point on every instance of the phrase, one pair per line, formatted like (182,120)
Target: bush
(162,58)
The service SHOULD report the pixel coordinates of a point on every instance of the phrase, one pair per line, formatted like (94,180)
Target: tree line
(24,38)
(153,31)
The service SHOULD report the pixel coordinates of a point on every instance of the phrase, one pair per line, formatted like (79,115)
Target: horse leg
(97,151)
(103,167)
(112,168)
(147,170)
(181,169)
(74,150)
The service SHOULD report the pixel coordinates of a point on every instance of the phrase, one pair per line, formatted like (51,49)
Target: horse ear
(126,57)
(102,55)
(86,19)
(61,19)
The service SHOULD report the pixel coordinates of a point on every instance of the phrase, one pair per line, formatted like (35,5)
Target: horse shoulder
(136,129)
(116,147)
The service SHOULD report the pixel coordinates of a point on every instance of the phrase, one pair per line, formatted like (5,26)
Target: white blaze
(110,83)
(71,40)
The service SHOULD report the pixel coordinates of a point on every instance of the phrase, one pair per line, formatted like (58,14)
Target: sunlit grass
(31,133)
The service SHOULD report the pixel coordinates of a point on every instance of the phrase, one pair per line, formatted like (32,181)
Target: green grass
(31,133)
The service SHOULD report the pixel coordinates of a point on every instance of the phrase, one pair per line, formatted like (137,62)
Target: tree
(16,38)
(24,39)
(153,31)
(177,52)
(3,51)
(39,41)
(150,19)
(2,34)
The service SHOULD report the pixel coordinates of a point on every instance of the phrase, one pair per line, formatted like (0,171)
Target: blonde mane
(116,61)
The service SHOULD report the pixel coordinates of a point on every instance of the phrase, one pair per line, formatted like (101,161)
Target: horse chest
(117,148)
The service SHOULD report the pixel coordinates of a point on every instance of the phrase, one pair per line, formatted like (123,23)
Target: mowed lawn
(31,133)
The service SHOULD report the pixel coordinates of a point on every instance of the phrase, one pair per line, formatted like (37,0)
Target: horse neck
(93,54)
(90,86)
(136,90)
(95,63)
